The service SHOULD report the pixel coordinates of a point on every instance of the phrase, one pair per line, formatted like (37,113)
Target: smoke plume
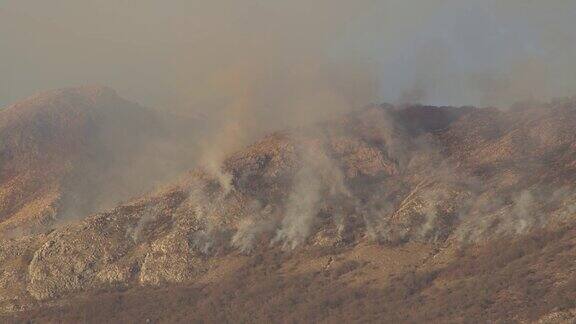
(318,179)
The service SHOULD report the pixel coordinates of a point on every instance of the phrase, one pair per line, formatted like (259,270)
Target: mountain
(405,214)
(67,153)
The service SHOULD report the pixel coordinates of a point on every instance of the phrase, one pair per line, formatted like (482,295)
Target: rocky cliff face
(392,213)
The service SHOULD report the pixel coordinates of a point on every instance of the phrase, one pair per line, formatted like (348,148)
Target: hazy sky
(187,54)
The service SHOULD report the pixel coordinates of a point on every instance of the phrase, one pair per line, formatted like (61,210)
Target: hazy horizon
(438,52)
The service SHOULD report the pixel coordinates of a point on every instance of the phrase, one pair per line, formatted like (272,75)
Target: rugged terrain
(407,214)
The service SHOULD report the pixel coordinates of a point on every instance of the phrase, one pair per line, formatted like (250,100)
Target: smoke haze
(199,56)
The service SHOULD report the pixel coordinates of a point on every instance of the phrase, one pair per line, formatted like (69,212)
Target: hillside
(405,214)
(67,153)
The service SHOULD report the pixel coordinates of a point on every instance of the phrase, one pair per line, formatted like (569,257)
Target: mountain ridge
(379,214)
(60,149)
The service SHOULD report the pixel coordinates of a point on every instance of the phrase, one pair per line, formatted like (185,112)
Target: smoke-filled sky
(199,55)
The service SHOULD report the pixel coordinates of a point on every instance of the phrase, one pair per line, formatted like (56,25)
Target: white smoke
(432,200)
(523,212)
(301,209)
(318,178)
(148,215)
(209,209)
(259,221)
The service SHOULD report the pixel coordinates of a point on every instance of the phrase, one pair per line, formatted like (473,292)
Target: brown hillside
(67,153)
(409,214)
